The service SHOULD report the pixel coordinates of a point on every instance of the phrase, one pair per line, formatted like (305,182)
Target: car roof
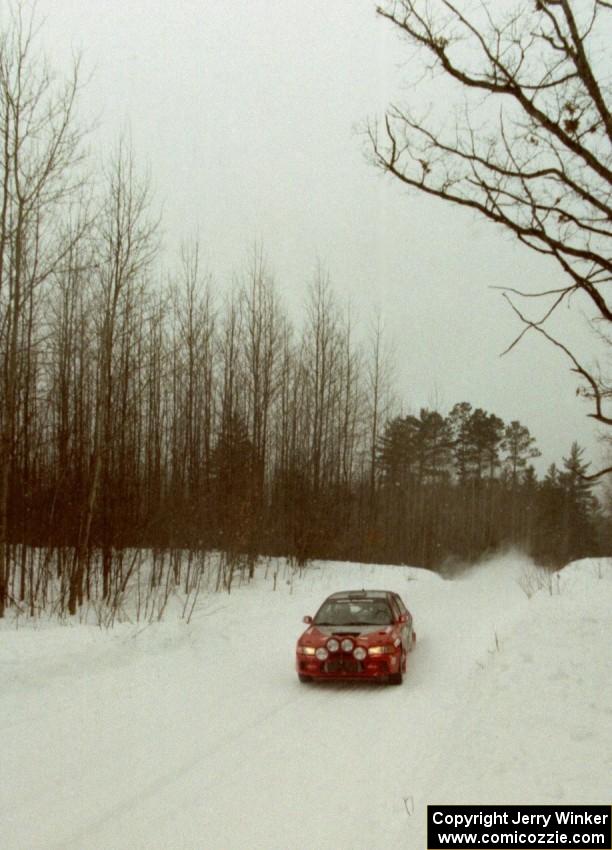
(362,594)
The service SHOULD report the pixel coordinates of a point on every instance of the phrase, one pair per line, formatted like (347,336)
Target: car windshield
(354,612)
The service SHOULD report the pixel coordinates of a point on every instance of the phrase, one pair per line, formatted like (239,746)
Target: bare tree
(261,352)
(322,351)
(193,384)
(351,402)
(531,149)
(378,389)
(39,153)
(126,245)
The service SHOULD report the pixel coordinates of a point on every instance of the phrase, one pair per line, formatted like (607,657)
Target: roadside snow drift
(175,736)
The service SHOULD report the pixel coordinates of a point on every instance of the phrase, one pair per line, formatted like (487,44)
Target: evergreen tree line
(140,414)
(459,486)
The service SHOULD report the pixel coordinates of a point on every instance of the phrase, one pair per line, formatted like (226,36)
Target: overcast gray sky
(245,113)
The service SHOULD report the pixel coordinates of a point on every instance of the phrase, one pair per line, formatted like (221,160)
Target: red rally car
(357,634)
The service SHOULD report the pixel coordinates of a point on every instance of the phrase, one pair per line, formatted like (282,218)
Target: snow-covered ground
(200,736)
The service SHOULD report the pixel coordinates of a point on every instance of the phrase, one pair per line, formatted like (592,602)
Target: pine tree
(580,507)
(549,543)
(518,444)
(458,420)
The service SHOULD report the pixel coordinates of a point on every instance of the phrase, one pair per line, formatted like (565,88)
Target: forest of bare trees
(140,412)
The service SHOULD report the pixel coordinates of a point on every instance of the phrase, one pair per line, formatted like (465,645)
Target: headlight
(333,645)
(359,654)
(321,653)
(382,650)
(306,650)
(347,645)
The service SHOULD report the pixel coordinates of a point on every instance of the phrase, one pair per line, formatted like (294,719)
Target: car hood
(321,633)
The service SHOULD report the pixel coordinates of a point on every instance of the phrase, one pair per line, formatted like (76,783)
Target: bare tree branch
(542,168)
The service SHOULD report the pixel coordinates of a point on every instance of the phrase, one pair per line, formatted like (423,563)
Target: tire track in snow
(82,837)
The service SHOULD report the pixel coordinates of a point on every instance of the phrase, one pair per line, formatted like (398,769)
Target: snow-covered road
(174,736)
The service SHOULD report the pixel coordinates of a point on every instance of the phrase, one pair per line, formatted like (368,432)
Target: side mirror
(307,619)
(403,618)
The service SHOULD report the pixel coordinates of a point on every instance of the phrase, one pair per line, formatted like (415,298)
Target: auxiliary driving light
(359,653)
(347,645)
(333,645)
(322,653)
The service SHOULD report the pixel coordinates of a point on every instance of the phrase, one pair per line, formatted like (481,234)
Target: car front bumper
(346,667)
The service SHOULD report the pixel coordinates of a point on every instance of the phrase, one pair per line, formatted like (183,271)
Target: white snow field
(200,737)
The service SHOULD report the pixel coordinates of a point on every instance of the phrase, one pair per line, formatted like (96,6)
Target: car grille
(342,665)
